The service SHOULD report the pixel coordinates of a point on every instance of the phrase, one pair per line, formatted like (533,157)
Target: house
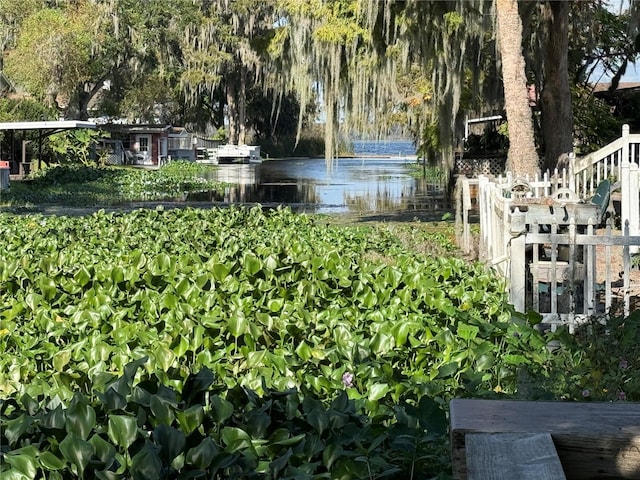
(624,101)
(151,145)
(140,144)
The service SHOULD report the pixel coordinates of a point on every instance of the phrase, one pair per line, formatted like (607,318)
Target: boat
(231,154)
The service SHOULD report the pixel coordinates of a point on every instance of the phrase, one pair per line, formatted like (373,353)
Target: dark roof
(135,128)
(604,87)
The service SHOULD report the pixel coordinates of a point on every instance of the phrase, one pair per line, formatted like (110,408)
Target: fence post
(634,204)
(466,206)
(485,218)
(518,273)
(626,264)
(572,174)
(625,186)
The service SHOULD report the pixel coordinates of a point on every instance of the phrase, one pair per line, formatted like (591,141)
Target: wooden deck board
(593,440)
(521,456)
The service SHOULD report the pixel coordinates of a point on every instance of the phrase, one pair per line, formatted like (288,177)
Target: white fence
(542,234)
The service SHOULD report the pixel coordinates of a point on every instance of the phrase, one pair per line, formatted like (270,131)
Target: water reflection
(355,185)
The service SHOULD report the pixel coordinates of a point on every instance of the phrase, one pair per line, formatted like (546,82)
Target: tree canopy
(372,67)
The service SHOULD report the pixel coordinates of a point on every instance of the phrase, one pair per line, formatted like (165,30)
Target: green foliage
(74,146)
(265,300)
(144,429)
(24,109)
(422,169)
(309,145)
(599,361)
(81,185)
(595,126)
(276,346)
(47,64)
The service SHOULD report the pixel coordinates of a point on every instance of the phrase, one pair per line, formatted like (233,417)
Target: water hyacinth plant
(344,342)
(261,298)
(82,185)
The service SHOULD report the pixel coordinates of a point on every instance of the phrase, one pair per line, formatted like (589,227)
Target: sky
(633,71)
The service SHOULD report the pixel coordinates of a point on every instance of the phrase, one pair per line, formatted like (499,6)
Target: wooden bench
(592,440)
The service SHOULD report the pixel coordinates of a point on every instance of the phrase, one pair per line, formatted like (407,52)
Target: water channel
(376,181)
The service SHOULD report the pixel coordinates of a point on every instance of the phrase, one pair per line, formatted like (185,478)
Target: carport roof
(51,126)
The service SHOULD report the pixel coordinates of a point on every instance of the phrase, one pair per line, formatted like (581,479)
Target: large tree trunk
(522,158)
(557,114)
(242,107)
(232,113)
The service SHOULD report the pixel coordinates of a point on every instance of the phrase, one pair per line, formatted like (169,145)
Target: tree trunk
(232,114)
(242,107)
(522,158)
(557,113)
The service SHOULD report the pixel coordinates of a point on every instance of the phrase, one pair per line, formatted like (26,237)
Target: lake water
(377,181)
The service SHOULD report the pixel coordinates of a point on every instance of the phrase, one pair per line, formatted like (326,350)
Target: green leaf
(196,384)
(220,271)
(275,304)
(202,455)
(24,463)
(377,391)
(48,287)
(17,427)
(164,357)
(291,440)
(103,450)
(50,462)
(235,439)
(304,351)
(162,409)
(81,418)
(160,264)
(511,359)
(170,301)
(431,415)
(191,418)
(33,301)
(467,332)
(382,343)
(122,430)
(221,408)
(54,419)
(106,475)
(77,452)
(448,369)
(318,419)
(237,324)
(252,264)
(117,275)
(330,454)
(171,441)
(146,464)
(485,362)
(82,276)
(280,463)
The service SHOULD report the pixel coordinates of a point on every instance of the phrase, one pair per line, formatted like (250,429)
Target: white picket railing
(541,234)
(566,273)
(620,162)
(607,162)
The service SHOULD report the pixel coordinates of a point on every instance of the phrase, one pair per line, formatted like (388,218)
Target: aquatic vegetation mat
(81,185)
(267,302)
